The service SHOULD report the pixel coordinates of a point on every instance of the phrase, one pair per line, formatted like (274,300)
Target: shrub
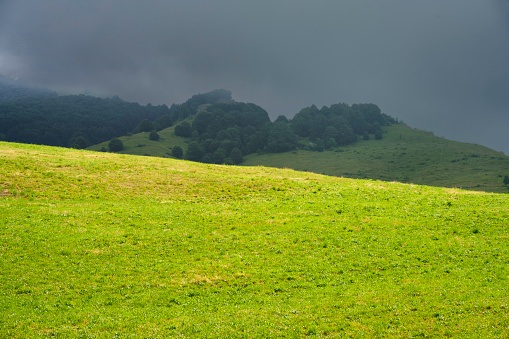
(80,143)
(115,145)
(195,152)
(144,126)
(236,156)
(154,136)
(177,152)
(183,129)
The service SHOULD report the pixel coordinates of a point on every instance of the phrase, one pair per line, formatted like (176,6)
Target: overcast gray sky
(438,65)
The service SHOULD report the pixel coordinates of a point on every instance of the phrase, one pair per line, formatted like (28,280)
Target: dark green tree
(195,136)
(281,118)
(183,129)
(154,136)
(228,145)
(319,145)
(144,126)
(164,122)
(330,143)
(281,138)
(177,152)
(195,152)
(506,180)
(219,156)
(207,158)
(228,161)
(80,143)
(346,135)
(303,121)
(257,141)
(236,156)
(115,145)
(204,120)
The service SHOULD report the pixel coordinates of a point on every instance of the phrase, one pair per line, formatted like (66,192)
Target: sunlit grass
(98,245)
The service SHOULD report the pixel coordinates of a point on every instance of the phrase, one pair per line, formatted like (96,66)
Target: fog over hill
(436,65)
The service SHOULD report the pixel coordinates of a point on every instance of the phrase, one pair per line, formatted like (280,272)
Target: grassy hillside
(140,144)
(403,155)
(100,245)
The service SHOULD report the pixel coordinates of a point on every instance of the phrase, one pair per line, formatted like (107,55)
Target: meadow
(140,144)
(405,155)
(101,245)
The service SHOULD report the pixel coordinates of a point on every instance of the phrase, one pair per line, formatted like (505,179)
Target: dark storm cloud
(437,65)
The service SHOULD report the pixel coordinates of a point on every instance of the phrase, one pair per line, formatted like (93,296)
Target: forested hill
(219,129)
(67,120)
(225,132)
(38,116)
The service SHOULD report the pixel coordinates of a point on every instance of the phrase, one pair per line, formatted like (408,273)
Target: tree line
(225,132)
(39,116)
(72,120)
(220,130)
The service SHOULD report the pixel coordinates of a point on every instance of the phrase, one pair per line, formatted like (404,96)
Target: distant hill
(356,141)
(397,153)
(140,144)
(60,120)
(225,131)
(39,116)
(405,155)
(35,115)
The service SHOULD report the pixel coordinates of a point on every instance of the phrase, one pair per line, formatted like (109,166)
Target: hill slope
(404,155)
(140,144)
(106,245)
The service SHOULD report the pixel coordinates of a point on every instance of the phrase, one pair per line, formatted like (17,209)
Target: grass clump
(103,245)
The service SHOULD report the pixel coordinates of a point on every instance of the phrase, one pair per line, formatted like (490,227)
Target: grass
(404,155)
(100,245)
(140,144)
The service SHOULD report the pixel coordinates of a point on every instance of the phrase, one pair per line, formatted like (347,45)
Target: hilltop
(109,245)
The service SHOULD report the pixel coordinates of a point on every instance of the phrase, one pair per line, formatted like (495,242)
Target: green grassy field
(404,155)
(100,245)
(140,144)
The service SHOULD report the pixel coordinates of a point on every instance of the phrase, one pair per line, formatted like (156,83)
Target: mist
(440,66)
